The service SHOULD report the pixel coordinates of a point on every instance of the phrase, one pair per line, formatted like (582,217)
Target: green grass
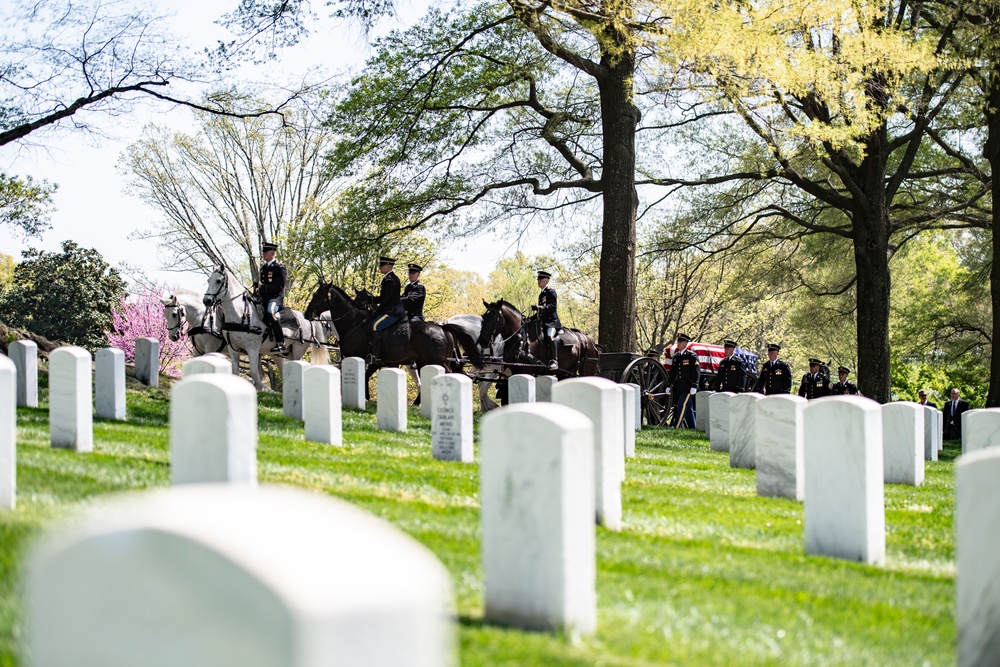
(704,572)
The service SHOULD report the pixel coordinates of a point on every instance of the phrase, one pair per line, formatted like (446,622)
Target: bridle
(223,287)
(179,314)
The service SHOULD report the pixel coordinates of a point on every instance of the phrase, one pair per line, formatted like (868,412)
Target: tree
(64,62)
(234,185)
(142,317)
(68,296)
(842,108)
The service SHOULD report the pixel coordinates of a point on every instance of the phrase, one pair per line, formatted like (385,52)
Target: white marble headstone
(600,400)
(537,490)
(743,430)
(221,576)
(71,399)
(638,405)
(352,388)
(427,375)
(208,363)
(980,429)
(391,415)
(213,430)
(24,354)
(521,389)
(844,503)
(321,405)
(718,412)
(903,443)
(780,440)
(702,413)
(292,388)
(8,433)
(147,361)
(543,388)
(930,428)
(109,384)
(977,525)
(629,398)
(451,422)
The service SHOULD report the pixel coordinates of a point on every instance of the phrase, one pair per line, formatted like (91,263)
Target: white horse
(204,332)
(243,326)
(473,325)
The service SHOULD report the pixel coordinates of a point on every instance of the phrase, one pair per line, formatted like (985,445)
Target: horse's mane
(342,293)
(503,302)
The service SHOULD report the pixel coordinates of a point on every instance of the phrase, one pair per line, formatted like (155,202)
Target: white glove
(668,391)
(694,390)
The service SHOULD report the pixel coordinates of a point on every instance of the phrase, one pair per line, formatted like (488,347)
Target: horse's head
(318,302)
(364,299)
(174,315)
(217,285)
(492,324)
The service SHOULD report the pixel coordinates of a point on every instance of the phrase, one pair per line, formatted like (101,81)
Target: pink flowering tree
(141,316)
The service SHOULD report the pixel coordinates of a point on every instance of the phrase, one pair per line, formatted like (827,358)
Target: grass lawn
(704,572)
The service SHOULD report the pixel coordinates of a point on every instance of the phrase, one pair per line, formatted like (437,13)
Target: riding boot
(553,355)
(374,348)
(279,339)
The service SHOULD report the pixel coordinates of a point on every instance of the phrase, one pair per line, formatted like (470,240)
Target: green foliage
(6,272)
(67,296)
(704,573)
(25,203)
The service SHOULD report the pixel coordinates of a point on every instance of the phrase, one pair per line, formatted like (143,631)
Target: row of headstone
(932,424)
(352,388)
(702,411)
(109,384)
(980,429)
(147,361)
(451,421)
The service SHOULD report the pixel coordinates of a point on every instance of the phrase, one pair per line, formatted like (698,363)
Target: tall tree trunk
(619,118)
(992,154)
(871,229)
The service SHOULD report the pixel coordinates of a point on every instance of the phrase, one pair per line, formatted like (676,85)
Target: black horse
(427,342)
(577,352)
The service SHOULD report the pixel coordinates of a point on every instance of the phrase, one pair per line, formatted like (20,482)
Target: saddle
(398,333)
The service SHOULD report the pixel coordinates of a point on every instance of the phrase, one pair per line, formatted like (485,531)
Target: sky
(92,207)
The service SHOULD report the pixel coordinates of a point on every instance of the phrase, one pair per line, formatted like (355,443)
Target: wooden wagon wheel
(653,381)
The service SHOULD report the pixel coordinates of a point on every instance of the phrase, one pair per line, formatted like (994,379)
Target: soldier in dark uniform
(685,372)
(271,290)
(844,387)
(414,294)
(388,306)
(548,317)
(732,374)
(814,384)
(775,374)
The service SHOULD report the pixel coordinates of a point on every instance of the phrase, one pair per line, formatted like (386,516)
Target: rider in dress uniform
(814,384)
(844,387)
(732,374)
(548,317)
(272,293)
(414,294)
(388,306)
(775,374)
(685,371)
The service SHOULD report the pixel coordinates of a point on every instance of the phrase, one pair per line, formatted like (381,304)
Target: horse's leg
(234,359)
(255,360)
(485,402)
(416,381)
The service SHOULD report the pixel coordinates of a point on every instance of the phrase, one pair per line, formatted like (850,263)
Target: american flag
(709,357)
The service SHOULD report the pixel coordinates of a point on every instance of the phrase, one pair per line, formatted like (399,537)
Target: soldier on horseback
(548,317)
(414,294)
(272,293)
(388,307)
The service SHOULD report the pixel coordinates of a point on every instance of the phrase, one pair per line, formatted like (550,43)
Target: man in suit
(953,410)
(923,400)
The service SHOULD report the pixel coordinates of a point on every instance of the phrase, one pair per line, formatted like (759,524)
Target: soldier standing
(548,317)
(685,372)
(732,374)
(844,387)
(388,307)
(414,294)
(814,384)
(272,293)
(775,374)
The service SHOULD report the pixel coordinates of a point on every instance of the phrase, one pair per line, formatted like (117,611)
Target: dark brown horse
(427,342)
(577,352)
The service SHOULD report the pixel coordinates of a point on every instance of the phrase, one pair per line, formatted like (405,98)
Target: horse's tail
(468,344)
